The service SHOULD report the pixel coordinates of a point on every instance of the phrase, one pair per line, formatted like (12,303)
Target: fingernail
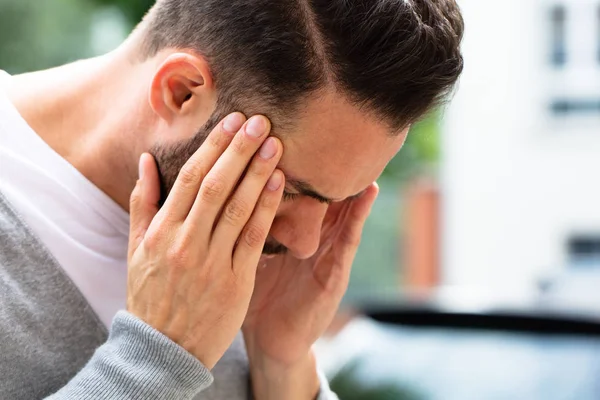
(256,127)
(268,149)
(275,181)
(141,168)
(233,122)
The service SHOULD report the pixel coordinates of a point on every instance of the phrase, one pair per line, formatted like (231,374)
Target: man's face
(334,151)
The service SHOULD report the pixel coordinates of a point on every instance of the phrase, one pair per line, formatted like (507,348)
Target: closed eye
(287,196)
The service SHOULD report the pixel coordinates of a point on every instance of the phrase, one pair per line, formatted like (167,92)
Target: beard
(170,158)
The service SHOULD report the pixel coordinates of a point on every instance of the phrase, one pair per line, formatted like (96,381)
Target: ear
(181,86)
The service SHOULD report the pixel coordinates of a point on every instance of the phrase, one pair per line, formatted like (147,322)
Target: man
(341,81)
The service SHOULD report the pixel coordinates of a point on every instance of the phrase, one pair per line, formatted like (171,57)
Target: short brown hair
(395,58)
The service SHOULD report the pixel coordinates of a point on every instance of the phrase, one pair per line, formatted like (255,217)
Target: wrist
(270,380)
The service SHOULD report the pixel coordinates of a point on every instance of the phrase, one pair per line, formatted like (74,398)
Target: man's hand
(192,264)
(295,300)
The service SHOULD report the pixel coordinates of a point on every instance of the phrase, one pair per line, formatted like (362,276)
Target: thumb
(143,204)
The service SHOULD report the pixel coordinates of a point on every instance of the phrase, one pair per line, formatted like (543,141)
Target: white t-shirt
(83,228)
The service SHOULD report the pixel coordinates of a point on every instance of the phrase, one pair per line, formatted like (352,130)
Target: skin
(192,264)
(102,114)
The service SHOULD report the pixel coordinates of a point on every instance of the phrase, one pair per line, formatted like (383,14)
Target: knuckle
(215,140)
(260,169)
(254,235)
(236,211)
(212,188)
(189,174)
(238,145)
(349,238)
(269,201)
(157,234)
(152,238)
(177,257)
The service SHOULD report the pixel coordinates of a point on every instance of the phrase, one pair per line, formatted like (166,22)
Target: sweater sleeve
(137,362)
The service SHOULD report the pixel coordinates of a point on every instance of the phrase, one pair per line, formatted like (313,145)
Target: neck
(84,111)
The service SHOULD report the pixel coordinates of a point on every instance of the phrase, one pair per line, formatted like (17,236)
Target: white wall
(517,180)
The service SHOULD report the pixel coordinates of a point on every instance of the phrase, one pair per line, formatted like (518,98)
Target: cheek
(285,207)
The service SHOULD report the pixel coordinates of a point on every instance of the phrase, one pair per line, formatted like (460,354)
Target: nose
(298,227)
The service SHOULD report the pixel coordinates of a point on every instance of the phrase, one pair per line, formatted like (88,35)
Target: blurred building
(521,145)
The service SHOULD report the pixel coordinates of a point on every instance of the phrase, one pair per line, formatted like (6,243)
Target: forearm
(299,382)
(137,362)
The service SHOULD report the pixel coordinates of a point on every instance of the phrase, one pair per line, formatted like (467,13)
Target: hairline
(147,51)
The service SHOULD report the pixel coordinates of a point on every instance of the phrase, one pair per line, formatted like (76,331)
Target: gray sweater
(53,346)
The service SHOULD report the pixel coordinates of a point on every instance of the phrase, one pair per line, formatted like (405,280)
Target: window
(574,75)
(584,250)
(558,16)
(568,106)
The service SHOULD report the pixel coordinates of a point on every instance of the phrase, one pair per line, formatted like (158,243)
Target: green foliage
(420,152)
(134,10)
(40,34)
(347,385)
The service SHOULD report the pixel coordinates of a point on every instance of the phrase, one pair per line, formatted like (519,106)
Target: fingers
(143,204)
(360,209)
(331,223)
(223,177)
(240,206)
(183,193)
(255,232)
(336,271)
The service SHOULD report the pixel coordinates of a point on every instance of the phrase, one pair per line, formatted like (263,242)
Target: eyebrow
(305,189)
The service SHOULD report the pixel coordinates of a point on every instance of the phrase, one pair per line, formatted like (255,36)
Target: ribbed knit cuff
(138,362)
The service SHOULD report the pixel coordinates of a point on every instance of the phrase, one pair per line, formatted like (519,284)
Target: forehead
(336,147)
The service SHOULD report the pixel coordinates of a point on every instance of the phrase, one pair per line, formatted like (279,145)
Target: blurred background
(479,272)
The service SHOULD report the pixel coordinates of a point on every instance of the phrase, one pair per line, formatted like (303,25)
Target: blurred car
(440,349)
